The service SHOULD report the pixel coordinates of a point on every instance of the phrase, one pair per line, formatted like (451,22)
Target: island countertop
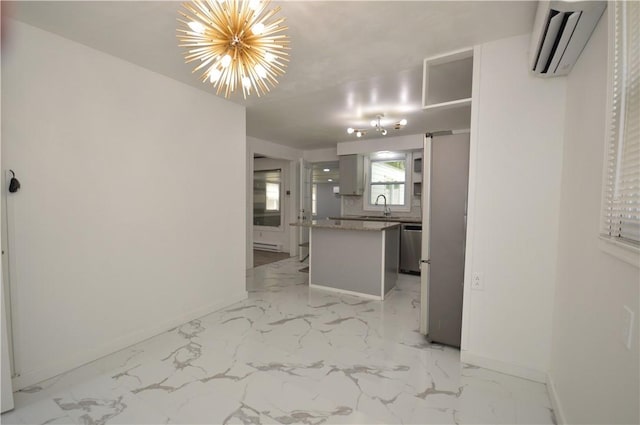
(372,226)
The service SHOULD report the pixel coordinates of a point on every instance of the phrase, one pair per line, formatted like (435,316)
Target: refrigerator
(445,215)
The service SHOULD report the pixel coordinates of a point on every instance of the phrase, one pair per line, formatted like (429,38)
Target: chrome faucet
(387,210)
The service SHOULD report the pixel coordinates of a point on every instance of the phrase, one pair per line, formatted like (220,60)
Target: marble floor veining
(288,355)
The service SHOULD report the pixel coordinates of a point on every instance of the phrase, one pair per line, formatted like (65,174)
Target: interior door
(448,181)
(304,212)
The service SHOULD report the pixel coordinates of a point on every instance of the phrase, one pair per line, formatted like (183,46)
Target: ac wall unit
(560,32)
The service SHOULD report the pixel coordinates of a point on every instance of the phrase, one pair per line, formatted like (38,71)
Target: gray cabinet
(351,175)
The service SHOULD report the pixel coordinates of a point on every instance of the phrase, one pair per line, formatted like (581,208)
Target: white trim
(425,207)
(627,253)
(344,291)
(474,137)
(503,367)
(310,256)
(555,402)
(447,105)
(272,229)
(65,365)
(382,264)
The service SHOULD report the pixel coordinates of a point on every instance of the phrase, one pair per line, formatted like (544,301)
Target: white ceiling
(349,60)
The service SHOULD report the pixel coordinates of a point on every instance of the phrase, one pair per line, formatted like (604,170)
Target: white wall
(280,234)
(321,155)
(271,150)
(515,169)
(398,143)
(595,378)
(131,215)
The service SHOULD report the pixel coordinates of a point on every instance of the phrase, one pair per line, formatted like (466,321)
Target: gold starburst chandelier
(236,43)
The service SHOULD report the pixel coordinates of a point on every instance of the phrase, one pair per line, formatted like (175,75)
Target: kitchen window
(267,196)
(621,199)
(388,176)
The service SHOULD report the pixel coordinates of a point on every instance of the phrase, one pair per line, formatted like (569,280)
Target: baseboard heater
(267,246)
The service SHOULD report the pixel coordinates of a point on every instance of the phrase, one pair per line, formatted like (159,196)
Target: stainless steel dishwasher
(410,248)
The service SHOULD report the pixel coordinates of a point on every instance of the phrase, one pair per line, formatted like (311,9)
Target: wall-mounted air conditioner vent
(560,32)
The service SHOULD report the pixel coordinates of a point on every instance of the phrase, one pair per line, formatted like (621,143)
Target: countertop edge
(330,224)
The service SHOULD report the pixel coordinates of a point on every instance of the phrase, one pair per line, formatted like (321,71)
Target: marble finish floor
(288,355)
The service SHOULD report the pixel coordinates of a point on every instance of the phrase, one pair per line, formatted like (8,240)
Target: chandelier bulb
(262,73)
(254,4)
(226,60)
(384,131)
(258,28)
(246,82)
(373,123)
(350,130)
(269,57)
(403,122)
(196,27)
(214,74)
(358,134)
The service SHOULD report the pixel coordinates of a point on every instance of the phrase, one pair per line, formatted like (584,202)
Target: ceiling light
(329,180)
(239,39)
(377,124)
(326,170)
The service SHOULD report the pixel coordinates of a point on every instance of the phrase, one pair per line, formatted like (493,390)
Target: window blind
(621,216)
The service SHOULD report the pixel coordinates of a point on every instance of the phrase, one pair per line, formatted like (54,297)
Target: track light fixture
(377,124)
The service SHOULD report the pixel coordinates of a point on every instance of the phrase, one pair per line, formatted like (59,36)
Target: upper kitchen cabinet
(447,80)
(351,174)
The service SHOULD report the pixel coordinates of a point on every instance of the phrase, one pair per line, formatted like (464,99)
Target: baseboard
(89,356)
(344,291)
(555,402)
(503,367)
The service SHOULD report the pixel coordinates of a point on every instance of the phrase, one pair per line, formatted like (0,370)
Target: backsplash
(353,205)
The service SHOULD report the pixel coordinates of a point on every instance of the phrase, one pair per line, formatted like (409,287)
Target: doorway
(271,215)
(325,187)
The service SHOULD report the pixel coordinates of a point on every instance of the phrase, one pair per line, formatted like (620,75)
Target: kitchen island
(353,256)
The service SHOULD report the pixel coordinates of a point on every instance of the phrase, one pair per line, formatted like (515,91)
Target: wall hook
(14,184)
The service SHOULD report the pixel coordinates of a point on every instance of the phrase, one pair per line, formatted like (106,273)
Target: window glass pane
(314,199)
(273,196)
(266,198)
(393,192)
(387,171)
